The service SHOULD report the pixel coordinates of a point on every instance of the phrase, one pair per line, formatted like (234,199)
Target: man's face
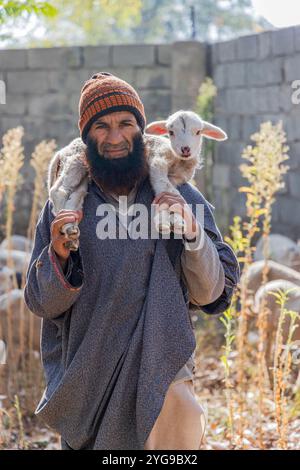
(114,134)
(116,151)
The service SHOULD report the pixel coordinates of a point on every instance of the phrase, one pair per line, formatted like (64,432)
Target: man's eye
(171,133)
(198,132)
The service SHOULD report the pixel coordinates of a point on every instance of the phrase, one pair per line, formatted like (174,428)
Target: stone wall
(43,87)
(254,76)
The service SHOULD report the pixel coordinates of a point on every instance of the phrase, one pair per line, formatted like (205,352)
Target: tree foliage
(16,14)
(110,21)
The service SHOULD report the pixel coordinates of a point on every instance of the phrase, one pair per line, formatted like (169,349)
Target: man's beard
(117,174)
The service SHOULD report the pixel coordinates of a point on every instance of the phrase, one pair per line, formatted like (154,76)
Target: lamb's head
(186,130)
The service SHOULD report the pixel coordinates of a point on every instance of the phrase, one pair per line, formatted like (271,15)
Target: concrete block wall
(43,88)
(255,76)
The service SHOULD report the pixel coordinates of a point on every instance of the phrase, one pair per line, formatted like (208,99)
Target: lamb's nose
(185,149)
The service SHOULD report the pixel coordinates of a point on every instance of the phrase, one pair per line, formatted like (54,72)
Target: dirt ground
(30,433)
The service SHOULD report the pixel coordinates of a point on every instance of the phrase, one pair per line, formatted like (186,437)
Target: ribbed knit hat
(103,94)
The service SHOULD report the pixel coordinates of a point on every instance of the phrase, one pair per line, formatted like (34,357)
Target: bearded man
(118,339)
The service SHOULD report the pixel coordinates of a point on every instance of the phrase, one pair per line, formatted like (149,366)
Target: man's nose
(114,137)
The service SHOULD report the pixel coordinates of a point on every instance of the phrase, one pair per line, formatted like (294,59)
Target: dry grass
(22,377)
(244,411)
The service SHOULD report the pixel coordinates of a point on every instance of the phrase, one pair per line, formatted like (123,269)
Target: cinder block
(266,72)
(221,75)
(264,45)
(215,53)
(164,54)
(131,55)
(247,47)
(125,73)
(158,77)
(54,57)
(52,104)
(188,72)
(68,80)
(27,81)
(286,98)
(241,100)
(294,155)
(268,99)
(220,103)
(250,125)
(228,153)
(221,175)
(233,128)
(13,59)
(291,124)
(236,74)
(283,41)
(289,210)
(156,101)
(292,68)
(15,105)
(294,186)
(227,51)
(97,56)
(297,38)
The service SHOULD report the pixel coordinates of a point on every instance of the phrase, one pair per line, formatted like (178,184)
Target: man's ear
(213,132)
(157,128)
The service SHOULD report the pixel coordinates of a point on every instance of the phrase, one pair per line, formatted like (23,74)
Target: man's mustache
(108,148)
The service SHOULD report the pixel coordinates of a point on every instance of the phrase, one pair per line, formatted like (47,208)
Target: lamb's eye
(198,132)
(171,132)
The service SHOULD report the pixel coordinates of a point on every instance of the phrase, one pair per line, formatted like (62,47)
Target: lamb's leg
(67,190)
(158,174)
(68,193)
(163,220)
(75,202)
(59,195)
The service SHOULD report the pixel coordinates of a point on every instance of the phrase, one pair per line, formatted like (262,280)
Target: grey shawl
(116,333)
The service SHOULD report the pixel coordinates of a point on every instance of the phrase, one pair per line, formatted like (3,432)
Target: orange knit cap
(104,93)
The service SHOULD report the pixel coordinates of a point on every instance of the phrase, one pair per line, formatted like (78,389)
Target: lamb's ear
(213,132)
(157,128)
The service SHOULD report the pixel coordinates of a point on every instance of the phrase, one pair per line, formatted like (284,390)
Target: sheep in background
(6,279)
(282,250)
(16,242)
(171,162)
(254,275)
(10,308)
(293,303)
(278,277)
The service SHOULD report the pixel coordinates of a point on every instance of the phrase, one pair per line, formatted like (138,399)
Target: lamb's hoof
(164,228)
(162,222)
(72,245)
(71,231)
(178,224)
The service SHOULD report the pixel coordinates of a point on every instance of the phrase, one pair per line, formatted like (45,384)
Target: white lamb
(172,161)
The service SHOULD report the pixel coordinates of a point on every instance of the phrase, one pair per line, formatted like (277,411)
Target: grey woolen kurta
(116,333)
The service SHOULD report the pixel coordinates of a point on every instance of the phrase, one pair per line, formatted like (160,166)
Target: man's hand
(176,203)
(58,239)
